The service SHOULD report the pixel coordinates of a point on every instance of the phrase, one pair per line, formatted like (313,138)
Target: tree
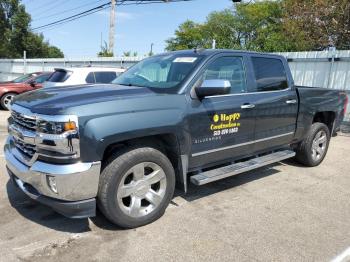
(221,26)
(270,26)
(105,51)
(260,27)
(16,36)
(322,23)
(189,35)
(127,53)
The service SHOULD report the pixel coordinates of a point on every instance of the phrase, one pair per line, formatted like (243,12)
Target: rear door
(275,102)
(220,129)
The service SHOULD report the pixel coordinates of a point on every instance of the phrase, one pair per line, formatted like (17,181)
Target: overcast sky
(136,26)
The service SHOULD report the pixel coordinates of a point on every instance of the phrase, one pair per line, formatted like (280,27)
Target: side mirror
(32,83)
(213,88)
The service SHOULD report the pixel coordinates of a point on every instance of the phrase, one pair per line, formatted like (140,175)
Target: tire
(126,196)
(6,100)
(313,149)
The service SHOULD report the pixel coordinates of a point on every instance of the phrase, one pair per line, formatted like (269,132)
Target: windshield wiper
(130,84)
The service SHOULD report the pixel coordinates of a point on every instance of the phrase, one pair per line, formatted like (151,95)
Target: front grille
(24,121)
(26,149)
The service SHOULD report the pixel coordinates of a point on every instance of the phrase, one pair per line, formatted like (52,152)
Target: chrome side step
(238,168)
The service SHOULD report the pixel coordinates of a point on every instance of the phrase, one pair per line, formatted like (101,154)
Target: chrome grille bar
(24,121)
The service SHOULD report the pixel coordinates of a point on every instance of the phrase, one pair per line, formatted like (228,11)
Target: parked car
(82,75)
(196,116)
(25,83)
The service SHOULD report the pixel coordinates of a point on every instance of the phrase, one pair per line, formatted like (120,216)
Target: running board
(238,168)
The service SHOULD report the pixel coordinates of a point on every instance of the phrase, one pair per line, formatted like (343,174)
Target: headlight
(56,128)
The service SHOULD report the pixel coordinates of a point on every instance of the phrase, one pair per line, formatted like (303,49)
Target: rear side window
(59,76)
(270,74)
(90,79)
(100,77)
(105,77)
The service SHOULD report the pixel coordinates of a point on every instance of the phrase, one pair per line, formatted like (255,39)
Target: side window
(59,76)
(269,74)
(90,79)
(105,77)
(41,79)
(228,68)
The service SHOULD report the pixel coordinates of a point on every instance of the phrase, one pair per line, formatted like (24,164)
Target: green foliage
(323,23)
(270,26)
(16,36)
(105,51)
(127,53)
(189,35)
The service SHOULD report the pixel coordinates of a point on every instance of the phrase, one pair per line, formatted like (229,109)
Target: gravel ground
(284,212)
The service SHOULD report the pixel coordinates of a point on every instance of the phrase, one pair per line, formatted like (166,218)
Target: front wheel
(136,186)
(6,100)
(313,149)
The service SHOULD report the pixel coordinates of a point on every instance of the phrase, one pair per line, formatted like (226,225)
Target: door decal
(225,124)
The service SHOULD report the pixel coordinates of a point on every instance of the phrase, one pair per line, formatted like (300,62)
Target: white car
(82,75)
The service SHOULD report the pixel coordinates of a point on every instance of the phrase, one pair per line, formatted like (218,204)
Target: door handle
(247,106)
(291,101)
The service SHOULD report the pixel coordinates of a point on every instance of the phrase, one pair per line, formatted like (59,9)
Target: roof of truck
(209,52)
(91,68)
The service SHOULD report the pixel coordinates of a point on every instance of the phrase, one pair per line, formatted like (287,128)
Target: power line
(67,19)
(65,11)
(102,7)
(47,7)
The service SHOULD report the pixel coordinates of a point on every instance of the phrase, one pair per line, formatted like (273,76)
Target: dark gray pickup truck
(197,116)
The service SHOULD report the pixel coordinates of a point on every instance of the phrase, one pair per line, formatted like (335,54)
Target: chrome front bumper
(75,182)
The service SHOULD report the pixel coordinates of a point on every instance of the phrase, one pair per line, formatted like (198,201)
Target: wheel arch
(167,143)
(325,117)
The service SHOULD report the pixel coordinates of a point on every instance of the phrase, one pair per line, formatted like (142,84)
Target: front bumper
(77,184)
(75,209)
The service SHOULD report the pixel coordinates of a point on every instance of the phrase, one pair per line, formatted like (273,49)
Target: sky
(137,26)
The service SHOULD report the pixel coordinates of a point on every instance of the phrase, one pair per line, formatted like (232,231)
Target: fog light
(51,181)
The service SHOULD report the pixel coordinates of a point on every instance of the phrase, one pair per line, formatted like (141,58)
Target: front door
(219,127)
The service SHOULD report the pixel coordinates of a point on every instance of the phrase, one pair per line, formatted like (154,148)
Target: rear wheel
(136,187)
(6,100)
(314,147)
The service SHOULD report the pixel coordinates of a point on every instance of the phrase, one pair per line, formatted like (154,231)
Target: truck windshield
(164,73)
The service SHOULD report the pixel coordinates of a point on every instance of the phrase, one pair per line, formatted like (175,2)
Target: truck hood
(53,100)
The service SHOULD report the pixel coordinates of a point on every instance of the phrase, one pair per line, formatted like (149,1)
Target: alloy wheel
(7,100)
(319,145)
(141,189)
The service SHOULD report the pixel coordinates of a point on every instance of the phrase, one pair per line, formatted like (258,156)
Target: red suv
(25,83)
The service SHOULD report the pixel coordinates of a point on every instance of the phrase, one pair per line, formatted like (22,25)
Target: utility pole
(112,27)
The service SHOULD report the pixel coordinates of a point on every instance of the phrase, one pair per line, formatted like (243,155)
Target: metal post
(112,27)
(151,52)
(333,50)
(24,62)
(213,44)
